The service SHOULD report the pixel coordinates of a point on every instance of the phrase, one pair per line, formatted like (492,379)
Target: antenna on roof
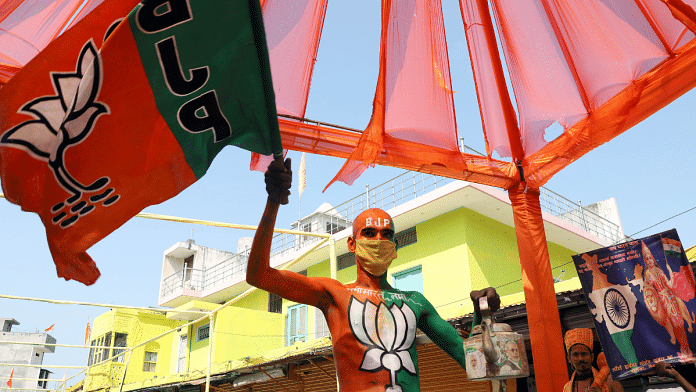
(191,241)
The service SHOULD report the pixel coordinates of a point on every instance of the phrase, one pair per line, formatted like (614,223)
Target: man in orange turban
(579,344)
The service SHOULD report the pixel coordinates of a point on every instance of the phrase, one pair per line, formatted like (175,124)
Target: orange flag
(50,328)
(9,382)
(88,332)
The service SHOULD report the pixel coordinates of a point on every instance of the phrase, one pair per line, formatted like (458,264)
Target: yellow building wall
(140,326)
(247,333)
(463,250)
(239,333)
(257,300)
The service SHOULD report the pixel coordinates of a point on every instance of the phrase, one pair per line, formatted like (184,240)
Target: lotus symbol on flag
(61,121)
(388,332)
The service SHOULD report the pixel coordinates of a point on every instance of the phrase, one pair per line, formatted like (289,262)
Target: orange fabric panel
(497,113)
(20,36)
(566,59)
(642,98)
(413,99)
(341,143)
(293,32)
(542,310)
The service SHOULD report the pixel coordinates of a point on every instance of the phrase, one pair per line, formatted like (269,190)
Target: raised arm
(444,334)
(287,284)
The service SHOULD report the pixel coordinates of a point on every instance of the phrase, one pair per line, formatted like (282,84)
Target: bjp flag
(121,113)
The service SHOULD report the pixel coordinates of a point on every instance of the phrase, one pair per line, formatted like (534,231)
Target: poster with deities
(641,294)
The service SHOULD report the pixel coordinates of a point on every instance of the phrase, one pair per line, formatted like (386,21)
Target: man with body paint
(372,325)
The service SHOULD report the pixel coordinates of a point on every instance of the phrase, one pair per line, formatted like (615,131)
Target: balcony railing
(389,194)
(227,271)
(184,279)
(410,185)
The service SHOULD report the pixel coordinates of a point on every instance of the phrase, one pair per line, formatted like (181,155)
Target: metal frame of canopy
(522,179)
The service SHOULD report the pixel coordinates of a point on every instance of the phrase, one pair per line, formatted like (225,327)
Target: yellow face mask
(375,256)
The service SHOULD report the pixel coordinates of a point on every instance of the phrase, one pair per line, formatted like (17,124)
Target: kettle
(493,351)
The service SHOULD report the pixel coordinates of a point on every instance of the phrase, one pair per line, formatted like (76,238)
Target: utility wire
(671,217)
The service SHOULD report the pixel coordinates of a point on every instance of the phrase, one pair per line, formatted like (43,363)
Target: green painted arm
(441,332)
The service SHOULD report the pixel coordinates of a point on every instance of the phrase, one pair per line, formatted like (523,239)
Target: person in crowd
(579,344)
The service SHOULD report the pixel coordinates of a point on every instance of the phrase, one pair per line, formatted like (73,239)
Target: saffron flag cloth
(88,333)
(9,380)
(50,328)
(113,117)
(641,294)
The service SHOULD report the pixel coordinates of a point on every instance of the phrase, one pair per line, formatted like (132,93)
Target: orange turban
(579,336)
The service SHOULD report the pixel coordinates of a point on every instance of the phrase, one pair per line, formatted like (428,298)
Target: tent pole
(544,321)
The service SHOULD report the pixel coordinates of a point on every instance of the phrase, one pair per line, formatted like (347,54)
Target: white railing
(389,194)
(186,278)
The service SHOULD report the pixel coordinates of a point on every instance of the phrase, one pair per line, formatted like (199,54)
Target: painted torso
(373,334)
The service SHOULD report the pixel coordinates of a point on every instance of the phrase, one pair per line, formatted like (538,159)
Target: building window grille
(203,332)
(345,260)
(150,362)
(120,340)
(321,328)
(406,237)
(275,303)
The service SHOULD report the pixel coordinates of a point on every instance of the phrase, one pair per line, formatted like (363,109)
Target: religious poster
(641,294)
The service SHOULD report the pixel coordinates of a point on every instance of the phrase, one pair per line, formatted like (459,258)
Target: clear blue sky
(649,170)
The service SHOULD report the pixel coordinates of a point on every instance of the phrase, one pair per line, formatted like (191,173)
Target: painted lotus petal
(87,57)
(406,361)
(385,327)
(410,327)
(67,88)
(35,136)
(77,126)
(370,316)
(399,326)
(372,359)
(48,110)
(86,90)
(355,313)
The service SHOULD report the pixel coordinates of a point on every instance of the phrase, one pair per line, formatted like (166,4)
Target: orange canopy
(594,67)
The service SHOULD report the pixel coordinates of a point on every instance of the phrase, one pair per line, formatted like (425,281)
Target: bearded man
(372,325)
(579,344)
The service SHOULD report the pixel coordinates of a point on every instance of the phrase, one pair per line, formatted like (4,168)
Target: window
(203,332)
(333,228)
(90,360)
(307,229)
(321,328)
(275,303)
(106,351)
(409,280)
(296,325)
(43,376)
(120,340)
(150,362)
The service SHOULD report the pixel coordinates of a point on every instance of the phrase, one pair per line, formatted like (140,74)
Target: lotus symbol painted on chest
(388,332)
